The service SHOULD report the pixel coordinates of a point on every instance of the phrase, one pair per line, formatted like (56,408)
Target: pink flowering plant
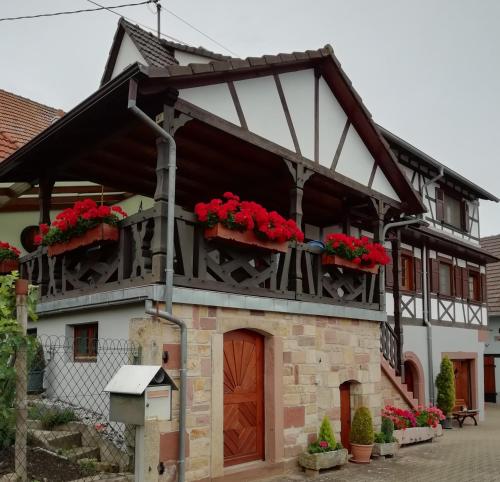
(421,417)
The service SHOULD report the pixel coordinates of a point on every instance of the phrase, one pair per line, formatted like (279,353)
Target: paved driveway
(470,454)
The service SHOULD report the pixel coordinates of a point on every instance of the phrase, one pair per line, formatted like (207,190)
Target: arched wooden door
(410,377)
(345,414)
(243,397)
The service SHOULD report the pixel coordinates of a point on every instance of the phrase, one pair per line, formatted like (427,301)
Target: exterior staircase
(397,382)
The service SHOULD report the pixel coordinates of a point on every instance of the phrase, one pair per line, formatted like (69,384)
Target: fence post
(21,366)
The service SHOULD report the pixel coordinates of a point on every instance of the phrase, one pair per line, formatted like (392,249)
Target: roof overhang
(436,166)
(448,244)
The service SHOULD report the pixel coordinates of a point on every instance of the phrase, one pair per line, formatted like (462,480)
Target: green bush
(51,417)
(326,432)
(445,383)
(387,430)
(362,427)
(36,357)
(379,438)
(7,428)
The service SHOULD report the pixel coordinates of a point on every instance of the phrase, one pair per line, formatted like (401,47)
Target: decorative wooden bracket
(300,175)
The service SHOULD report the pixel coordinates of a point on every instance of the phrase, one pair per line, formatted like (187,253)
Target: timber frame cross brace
(300,175)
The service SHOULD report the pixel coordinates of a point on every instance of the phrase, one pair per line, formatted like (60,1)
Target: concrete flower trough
(324,460)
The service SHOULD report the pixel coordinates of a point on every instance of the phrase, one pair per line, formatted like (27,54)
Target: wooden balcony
(138,260)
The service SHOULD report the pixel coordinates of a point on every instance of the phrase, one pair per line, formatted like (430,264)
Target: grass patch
(51,417)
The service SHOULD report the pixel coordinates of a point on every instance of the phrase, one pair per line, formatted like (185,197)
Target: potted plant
(325,453)
(246,223)
(445,383)
(84,224)
(9,258)
(385,442)
(354,253)
(36,369)
(362,436)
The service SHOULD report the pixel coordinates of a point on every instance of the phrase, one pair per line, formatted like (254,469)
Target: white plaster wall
(213,98)
(128,54)
(492,347)
(298,88)
(355,160)
(185,58)
(263,111)
(445,339)
(382,185)
(82,383)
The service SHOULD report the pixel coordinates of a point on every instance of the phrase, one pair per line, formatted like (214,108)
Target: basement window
(85,342)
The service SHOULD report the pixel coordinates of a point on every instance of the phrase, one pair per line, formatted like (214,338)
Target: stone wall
(390,395)
(307,358)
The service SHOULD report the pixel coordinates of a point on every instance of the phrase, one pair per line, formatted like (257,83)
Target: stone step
(55,440)
(78,453)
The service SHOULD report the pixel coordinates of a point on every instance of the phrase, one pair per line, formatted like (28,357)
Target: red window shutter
(484,295)
(418,274)
(439,204)
(465,216)
(389,276)
(465,283)
(458,282)
(434,272)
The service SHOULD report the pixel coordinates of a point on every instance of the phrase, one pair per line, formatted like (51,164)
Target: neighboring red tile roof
(492,244)
(22,119)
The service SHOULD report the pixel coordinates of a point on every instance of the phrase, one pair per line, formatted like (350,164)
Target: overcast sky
(428,70)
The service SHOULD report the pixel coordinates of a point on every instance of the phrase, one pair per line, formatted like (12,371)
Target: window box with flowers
(325,453)
(84,224)
(247,224)
(414,426)
(354,253)
(9,258)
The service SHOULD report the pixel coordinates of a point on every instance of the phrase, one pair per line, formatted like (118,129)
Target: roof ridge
(56,109)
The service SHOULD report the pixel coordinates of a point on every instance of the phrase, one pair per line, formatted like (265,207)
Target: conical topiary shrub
(362,436)
(445,383)
(387,429)
(326,433)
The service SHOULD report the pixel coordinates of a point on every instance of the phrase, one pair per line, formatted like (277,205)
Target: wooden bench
(460,412)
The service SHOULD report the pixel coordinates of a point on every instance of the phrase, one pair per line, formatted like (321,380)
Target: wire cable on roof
(110,10)
(70,12)
(199,31)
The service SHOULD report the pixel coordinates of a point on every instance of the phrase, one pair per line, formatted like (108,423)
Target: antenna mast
(158,14)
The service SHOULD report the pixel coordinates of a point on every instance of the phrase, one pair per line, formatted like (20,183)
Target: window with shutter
(465,284)
(465,216)
(484,296)
(407,273)
(418,275)
(474,282)
(439,204)
(458,282)
(85,339)
(389,276)
(434,275)
(445,279)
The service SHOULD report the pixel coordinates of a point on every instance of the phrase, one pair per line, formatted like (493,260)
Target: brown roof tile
(21,119)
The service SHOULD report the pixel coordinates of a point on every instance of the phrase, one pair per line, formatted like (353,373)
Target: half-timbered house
(293,338)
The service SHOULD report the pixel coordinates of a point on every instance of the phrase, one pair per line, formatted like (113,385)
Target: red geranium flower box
(331,259)
(9,265)
(245,238)
(102,232)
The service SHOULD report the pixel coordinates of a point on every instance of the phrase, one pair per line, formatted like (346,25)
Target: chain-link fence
(70,436)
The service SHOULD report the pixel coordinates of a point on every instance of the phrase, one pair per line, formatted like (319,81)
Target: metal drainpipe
(425,297)
(169,271)
(183,388)
(172,166)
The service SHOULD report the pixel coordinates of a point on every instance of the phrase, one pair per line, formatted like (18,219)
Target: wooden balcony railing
(389,345)
(210,265)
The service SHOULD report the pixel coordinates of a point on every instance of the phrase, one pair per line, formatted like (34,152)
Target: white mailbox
(139,393)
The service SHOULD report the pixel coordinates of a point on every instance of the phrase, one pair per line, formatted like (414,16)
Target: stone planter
(414,435)
(385,450)
(9,265)
(438,431)
(331,259)
(361,454)
(323,460)
(244,239)
(102,232)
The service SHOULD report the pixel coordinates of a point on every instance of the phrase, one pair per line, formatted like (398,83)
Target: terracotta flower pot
(102,232)
(244,239)
(332,259)
(361,453)
(9,265)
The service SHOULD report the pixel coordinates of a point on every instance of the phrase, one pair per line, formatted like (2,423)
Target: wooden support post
(398,327)
(378,232)
(300,176)
(21,367)
(46,185)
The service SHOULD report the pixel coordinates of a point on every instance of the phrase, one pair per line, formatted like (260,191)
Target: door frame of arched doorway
(419,379)
(273,399)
